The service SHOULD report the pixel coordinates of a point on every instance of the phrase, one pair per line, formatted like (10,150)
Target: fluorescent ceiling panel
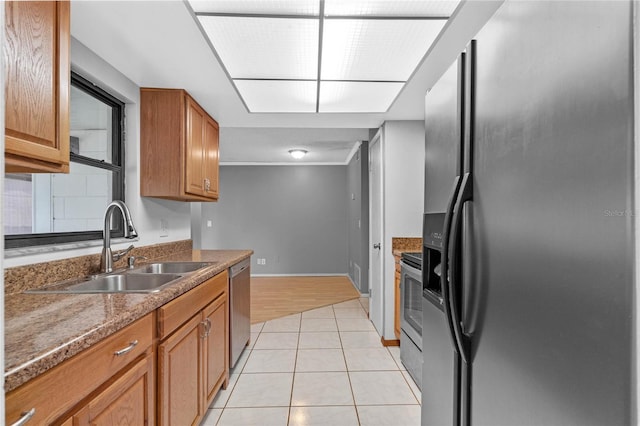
(278,96)
(357,96)
(280,7)
(435,8)
(380,50)
(265,47)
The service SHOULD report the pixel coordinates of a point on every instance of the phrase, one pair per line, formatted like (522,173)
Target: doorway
(376,245)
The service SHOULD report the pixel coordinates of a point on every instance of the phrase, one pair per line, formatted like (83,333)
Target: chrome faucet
(106,262)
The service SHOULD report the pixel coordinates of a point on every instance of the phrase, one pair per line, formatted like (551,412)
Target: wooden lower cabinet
(180,375)
(193,360)
(396,286)
(139,376)
(216,353)
(127,401)
(65,388)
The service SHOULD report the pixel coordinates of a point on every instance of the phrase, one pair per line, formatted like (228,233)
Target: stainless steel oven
(411,314)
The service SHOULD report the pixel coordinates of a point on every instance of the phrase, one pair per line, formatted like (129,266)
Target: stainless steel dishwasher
(240,309)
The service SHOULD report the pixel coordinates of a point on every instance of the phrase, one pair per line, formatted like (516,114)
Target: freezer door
(442,140)
(552,224)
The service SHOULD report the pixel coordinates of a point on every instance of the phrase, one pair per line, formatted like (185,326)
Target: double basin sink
(149,278)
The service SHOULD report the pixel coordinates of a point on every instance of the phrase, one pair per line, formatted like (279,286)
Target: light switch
(209,224)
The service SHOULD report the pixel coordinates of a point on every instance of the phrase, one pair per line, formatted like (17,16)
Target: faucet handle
(119,255)
(131,260)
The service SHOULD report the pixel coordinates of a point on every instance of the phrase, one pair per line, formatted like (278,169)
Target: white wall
(403,153)
(146,212)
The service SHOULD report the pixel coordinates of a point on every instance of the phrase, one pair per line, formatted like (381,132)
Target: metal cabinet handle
(208,327)
(207,185)
(26,416)
(203,331)
(127,349)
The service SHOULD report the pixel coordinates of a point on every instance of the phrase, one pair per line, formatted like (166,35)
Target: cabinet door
(211,162)
(127,401)
(180,385)
(194,179)
(216,353)
(37,79)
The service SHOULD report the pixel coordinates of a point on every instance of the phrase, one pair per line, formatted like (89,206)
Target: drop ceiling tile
(278,96)
(265,47)
(276,7)
(365,97)
(437,8)
(379,50)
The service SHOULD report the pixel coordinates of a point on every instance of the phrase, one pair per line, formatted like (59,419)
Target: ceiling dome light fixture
(297,153)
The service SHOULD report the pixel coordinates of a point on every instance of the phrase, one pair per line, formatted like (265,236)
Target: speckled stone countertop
(402,244)
(43,330)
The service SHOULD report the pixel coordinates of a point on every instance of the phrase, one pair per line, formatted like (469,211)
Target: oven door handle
(416,273)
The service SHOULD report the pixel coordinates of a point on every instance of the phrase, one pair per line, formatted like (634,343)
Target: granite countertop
(42,330)
(400,245)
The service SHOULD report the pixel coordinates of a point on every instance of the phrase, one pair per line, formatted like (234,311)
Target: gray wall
(358,211)
(295,217)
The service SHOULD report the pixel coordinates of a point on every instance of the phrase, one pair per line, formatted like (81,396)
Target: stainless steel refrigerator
(527,308)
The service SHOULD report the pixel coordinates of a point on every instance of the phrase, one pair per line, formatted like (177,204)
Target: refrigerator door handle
(464,195)
(444,277)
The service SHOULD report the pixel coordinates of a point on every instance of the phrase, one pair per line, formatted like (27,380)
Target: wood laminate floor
(275,297)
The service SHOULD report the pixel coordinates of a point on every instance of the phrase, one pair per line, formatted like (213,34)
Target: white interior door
(376,220)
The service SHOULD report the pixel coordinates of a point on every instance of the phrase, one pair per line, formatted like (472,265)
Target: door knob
(376,246)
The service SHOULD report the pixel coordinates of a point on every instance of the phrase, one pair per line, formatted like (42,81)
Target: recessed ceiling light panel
(265,47)
(378,50)
(278,96)
(357,96)
(435,8)
(280,7)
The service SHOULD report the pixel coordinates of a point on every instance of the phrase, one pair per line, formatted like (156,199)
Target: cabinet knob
(26,416)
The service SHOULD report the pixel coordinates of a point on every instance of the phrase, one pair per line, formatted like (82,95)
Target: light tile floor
(322,367)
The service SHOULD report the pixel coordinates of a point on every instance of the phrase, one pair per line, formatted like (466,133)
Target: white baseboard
(356,287)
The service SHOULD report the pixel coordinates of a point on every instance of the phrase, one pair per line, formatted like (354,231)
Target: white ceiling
(321,53)
(268,144)
(158,44)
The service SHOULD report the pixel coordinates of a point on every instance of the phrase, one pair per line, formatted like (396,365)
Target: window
(58,208)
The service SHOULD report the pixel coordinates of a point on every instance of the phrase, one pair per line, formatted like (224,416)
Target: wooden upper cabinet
(178,147)
(37,81)
(211,159)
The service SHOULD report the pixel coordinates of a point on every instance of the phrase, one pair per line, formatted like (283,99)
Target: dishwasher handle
(239,267)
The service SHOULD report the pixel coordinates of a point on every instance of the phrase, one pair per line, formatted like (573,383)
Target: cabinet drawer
(130,399)
(179,310)
(59,389)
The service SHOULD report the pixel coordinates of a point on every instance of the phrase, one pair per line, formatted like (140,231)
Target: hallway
(325,366)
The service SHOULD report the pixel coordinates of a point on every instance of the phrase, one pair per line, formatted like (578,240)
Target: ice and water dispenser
(432,242)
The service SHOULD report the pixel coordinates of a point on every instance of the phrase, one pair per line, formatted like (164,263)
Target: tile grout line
(293,377)
(353,396)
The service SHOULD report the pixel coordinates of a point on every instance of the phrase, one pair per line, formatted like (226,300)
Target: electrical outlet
(261,261)
(164,228)
(209,224)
